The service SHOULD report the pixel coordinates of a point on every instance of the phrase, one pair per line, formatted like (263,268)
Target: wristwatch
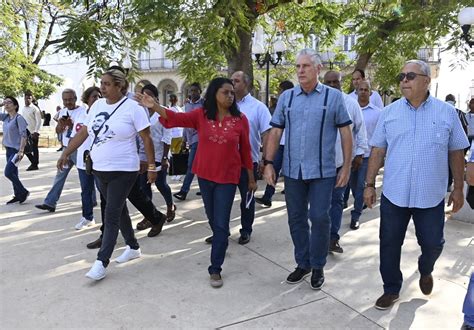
(369,185)
(267,162)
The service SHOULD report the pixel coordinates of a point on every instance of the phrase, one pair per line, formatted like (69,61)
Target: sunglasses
(409,75)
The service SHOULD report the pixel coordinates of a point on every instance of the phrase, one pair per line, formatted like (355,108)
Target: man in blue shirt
(417,136)
(311,114)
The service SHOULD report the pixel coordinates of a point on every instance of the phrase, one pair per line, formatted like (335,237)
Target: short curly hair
(87,93)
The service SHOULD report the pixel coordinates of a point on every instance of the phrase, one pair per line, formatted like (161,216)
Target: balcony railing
(430,55)
(157,64)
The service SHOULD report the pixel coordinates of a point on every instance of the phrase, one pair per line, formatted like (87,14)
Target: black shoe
(344,205)
(156,229)
(283,192)
(198,193)
(208,240)
(13,200)
(263,202)
(335,247)
(96,244)
(386,301)
(354,224)
(244,239)
(317,279)
(94,204)
(60,149)
(180,195)
(45,207)
(426,284)
(32,168)
(23,199)
(298,275)
(364,207)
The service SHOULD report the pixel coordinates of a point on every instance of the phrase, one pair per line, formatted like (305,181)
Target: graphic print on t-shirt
(101,130)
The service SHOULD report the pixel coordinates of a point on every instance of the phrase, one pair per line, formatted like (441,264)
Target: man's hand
(269,175)
(457,199)
(357,162)
(342,177)
(370,196)
(260,169)
(143,167)
(164,164)
(252,186)
(151,177)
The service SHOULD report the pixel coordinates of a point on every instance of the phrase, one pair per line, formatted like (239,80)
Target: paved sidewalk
(43,260)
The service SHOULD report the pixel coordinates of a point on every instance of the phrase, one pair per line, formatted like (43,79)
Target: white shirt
(73,114)
(375,98)
(115,148)
(359,133)
(32,116)
(80,121)
(371,117)
(176,132)
(470,123)
(159,135)
(259,118)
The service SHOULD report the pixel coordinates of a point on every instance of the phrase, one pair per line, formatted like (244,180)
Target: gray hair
(424,67)
(70,91)
(246,79)
(314,56)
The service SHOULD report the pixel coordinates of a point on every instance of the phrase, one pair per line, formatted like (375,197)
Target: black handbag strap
(28,133)
(97,134)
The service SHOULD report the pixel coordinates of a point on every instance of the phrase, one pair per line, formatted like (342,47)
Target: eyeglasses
(7,102)
(410,75)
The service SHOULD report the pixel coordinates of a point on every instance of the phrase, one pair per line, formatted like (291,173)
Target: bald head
(333,79)
(241,82)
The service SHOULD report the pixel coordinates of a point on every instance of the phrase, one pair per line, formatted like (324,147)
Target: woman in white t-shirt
(113,123)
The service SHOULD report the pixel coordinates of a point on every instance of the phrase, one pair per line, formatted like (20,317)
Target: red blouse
(223,148)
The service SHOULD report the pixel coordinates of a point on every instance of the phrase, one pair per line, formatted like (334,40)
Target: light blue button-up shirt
(310,130)
(190,134)
(417,143)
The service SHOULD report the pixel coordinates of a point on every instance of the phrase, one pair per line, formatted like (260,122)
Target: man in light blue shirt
(359,148)
(417,136)
(311,114)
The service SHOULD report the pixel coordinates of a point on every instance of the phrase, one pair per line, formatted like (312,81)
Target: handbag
(470,196)
(86,157)
(179,163)
(28,149)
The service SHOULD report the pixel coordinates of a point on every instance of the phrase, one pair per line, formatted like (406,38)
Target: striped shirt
(417,143)
(310,130)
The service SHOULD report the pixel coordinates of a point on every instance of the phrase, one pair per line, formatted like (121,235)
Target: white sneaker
(84,223)
(128,255)
(97,271)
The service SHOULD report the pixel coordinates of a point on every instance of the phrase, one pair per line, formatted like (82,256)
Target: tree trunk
(241,58)
(363,61)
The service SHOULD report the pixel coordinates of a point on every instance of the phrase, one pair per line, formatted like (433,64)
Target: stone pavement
(43,260)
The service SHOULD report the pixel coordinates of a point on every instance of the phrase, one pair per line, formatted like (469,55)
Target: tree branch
(47,41)
(39,27)
(27,31)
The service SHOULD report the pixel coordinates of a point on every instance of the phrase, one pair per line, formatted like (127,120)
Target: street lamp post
(265,58)
(466,19)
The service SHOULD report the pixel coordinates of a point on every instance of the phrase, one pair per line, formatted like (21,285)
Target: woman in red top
(223,150)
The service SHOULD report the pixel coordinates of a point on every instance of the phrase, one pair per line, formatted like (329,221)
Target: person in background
(359,75)
(14,141)
(32,115)
(470,120)
(224,149)
(176,132)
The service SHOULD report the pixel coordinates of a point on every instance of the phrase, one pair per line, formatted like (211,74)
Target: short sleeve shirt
(310,130)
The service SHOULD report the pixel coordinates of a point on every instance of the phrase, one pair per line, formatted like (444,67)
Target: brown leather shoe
(144,224)
(96,244)
(426,284)
(386,301)
(170,213)
(156,229)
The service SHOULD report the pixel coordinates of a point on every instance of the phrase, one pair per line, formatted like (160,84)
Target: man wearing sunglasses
(417,136)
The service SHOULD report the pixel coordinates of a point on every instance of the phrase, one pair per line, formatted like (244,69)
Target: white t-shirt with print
(80,121)
(70,131)
(115,148)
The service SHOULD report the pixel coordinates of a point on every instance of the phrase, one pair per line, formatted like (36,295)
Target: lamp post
(466,19)
(265,58)
(127,62)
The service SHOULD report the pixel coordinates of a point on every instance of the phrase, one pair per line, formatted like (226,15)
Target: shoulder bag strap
(97,134)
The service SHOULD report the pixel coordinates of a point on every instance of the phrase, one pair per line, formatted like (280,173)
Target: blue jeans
(88,196)
(59,181)
(277,163)
(160,183)
(468,306)
(357,183)
(429,225)
(11,173)
(188,179)
(311,245)
(247,215)
(218,199)
(336,210)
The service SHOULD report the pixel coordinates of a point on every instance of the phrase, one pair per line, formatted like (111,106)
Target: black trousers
(34,156)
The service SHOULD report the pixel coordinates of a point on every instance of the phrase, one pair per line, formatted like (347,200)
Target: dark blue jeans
(357,183)
(311,245)
(247,215)
(11,173)
(115,187)
(188,179)
(277,163)
(160,183)
(429,225)
(336,210)
(88,196)
(218,199)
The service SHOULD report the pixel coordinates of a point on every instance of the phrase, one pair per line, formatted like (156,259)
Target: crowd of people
(325,143)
